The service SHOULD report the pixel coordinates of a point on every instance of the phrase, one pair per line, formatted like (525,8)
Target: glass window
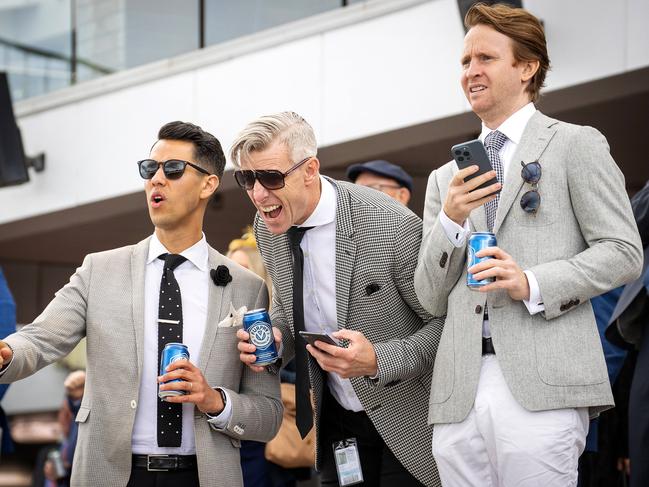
(35,46)
(225,20)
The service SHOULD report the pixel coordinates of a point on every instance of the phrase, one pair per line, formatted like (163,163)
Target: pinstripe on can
(170,353)
(257,324)
(477,242)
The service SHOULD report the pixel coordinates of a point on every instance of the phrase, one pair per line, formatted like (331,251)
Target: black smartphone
(311,338)
(473,153)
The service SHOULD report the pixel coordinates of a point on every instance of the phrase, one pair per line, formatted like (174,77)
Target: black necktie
(170,330)
(304,413)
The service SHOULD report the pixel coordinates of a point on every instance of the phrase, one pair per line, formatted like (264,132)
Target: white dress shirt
(319,283)
(513,128)
(194,280)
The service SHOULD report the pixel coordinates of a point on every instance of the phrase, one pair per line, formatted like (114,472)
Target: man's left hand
(357,360)
(508,274)
(199,392)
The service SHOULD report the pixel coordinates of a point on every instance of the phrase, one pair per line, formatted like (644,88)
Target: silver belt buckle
(148,463)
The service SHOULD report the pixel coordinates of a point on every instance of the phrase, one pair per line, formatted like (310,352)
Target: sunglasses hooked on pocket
(531,174)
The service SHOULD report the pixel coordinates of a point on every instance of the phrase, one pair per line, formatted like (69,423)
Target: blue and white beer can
(170,353)
(257,324)
(477,242)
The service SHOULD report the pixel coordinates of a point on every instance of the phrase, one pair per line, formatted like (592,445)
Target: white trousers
(501,444)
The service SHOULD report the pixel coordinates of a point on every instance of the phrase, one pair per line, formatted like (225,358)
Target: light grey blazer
(582,242)
(377,240)
(104,301)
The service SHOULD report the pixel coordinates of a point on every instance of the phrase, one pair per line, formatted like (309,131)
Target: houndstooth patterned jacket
(377,241)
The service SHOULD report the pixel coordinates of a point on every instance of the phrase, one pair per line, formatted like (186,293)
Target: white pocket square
(234,318)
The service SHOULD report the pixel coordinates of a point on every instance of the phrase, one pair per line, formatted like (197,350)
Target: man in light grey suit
(116,299)
(520,365)
(351,275)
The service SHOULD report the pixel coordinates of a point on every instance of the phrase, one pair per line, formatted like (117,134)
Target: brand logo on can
(260,334)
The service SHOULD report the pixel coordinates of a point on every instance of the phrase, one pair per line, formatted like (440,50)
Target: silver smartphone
(473,153)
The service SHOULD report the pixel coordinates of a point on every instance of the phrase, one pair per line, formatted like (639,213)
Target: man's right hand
(247,350)
(461,200)
(6,354)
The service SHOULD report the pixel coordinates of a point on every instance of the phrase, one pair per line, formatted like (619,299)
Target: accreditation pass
(348,463)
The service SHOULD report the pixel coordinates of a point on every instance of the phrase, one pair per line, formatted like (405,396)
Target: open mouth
(477,88)
(156,200)
(272,211)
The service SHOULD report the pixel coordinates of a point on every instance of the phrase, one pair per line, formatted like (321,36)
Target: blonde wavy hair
(248,246)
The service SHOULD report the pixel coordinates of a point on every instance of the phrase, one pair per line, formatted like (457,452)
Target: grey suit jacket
(581,243)
(104,301)
(376,249)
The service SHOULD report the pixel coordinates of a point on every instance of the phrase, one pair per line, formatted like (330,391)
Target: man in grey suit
(520,364)
(350,275)
(117,300)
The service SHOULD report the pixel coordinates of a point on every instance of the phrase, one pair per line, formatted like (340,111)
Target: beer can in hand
(257,324)
(477,242)
(170,353)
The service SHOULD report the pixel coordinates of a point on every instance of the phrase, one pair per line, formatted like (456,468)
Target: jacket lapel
(536,137)
(345,253)
(219,299)
(138,263)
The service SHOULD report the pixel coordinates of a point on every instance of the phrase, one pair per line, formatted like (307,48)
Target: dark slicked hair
(207,148)
(525,31)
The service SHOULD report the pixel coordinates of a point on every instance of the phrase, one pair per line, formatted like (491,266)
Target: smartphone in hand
(473,153)
(311,338)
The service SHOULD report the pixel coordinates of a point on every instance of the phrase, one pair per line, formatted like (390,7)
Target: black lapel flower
(221,275)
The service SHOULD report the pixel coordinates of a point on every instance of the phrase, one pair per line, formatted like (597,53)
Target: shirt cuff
(535,303)
(220,421)
(455,233)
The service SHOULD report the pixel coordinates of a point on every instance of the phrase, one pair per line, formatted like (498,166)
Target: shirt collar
(325,211)
(197,254)
(514,126)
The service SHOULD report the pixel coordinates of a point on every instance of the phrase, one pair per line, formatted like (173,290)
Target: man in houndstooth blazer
(359,261)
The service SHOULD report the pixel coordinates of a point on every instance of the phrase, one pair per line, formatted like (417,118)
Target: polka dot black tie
(170,330)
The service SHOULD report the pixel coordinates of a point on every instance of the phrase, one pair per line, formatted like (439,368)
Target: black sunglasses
(173,168)
(531,174)
(268,178)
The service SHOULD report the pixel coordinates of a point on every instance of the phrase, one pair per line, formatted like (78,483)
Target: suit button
(443,259)
(478,309)
(133,404)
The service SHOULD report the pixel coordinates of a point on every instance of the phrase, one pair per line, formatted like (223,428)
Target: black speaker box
(13,165)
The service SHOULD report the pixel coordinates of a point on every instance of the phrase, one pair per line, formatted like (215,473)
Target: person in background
(594,471)
(520,366)
(7,327)
(383,176)
(254,467)
(257,471)
(245,253)
(629,327)
(74,385)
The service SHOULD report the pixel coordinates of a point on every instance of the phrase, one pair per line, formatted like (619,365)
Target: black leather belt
(164,463)
(488,346)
